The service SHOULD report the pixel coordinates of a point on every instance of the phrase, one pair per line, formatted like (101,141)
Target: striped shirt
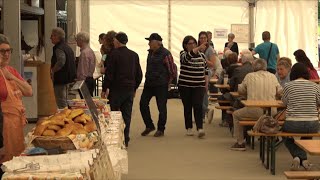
(193,69)
(302,98)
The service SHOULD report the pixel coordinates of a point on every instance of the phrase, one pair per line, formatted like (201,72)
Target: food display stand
(107,159)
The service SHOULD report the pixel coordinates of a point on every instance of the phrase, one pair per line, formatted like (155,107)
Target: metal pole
(252,4)
(169,25)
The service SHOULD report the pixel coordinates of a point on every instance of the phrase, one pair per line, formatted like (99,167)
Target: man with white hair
(258,85)
(240,72)
(160,72)
(87,61)
(63,67)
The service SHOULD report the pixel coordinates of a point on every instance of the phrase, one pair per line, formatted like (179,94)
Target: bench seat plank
(302,174)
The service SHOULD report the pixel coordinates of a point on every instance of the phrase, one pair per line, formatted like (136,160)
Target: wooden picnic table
(222,86)
(263,104)
(312,147)
(213,80)
(235,94)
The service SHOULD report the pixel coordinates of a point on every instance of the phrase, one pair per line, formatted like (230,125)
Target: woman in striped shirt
(193,83)
(302,98)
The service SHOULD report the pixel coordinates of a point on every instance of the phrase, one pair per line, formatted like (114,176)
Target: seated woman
(283,70)
(302,111)
(301,57)
(12,88)
(232,61)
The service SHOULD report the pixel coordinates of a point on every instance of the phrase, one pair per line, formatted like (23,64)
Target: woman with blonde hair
(233,46)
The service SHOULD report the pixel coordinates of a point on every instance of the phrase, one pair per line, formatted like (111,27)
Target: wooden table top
(263,103)
(235,94)
(222,86)
(213,80)
(310,146)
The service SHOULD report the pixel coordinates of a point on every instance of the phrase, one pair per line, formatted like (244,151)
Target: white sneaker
(189,132)
(201,133)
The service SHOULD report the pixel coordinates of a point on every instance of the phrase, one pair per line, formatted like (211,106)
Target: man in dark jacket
(123,77)
(160,72)
(63,67)
(240,72)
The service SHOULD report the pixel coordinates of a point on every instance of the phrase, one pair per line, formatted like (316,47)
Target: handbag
(266,124)
(281,115)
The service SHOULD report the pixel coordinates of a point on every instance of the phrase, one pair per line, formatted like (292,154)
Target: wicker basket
(47,142)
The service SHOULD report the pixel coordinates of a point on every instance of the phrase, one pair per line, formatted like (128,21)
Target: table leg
(252,142)
(268,153)
(263,148)
(273,156)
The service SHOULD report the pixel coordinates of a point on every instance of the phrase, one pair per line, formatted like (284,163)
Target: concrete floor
(178,157)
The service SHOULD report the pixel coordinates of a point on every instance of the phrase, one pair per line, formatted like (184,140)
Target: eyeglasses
(191,43)
(4,51)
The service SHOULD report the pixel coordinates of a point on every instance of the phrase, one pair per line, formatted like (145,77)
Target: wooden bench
(224,101)
(253,122)
(302,174)
(271,145)
(223,107)
(213,99)
(215,94)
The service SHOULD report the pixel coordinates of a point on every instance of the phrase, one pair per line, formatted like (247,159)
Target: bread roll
(65,131)
(48,133)
(77,126)
(54,127)
(84,143)
(57,122)
(75,113)
(80,119)
(41,120)
(90,126)
(39,129)
(79,131)
(66,112)
(86,117)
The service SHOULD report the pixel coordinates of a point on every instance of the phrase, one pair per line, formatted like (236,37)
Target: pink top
(3,87)
(87,64)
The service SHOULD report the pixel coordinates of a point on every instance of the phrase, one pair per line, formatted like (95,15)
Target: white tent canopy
(292,23)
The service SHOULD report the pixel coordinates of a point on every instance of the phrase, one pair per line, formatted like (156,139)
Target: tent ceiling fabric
(292,23)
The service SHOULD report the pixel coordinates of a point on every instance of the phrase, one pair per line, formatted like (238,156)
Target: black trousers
(161,94)
(123,102)
(91,83)
(192,98)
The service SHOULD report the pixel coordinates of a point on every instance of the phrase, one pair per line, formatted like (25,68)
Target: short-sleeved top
(3,87)
(263,51)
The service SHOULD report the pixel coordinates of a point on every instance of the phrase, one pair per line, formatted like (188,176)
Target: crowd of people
(269,77)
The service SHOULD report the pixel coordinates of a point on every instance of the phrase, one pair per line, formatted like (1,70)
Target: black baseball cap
(122,37)
(154,36)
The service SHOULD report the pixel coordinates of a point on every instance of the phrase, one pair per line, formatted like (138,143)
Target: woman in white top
(302,98)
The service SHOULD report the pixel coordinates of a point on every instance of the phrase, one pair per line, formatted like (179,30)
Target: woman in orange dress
(12,88)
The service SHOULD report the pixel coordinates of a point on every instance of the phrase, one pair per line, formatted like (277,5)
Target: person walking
(123,78)
(160,72)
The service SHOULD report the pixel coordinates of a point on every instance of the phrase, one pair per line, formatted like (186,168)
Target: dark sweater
(234,47)
(123,71)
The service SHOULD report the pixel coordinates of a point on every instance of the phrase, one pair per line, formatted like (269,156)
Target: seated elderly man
(240,72)
(258,85)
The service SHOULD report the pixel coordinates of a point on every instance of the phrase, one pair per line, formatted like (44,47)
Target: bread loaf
(90,126)
(75,113)
(48,133)
(80,119)
(54,127)
(39,129)
(65,131)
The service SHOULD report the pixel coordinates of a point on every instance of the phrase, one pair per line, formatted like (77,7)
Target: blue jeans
(299,127)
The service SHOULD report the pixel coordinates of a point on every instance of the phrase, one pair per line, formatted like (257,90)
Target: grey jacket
(239,74)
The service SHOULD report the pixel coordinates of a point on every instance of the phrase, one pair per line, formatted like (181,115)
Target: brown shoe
(158,134)
(238,147)
(147,131)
